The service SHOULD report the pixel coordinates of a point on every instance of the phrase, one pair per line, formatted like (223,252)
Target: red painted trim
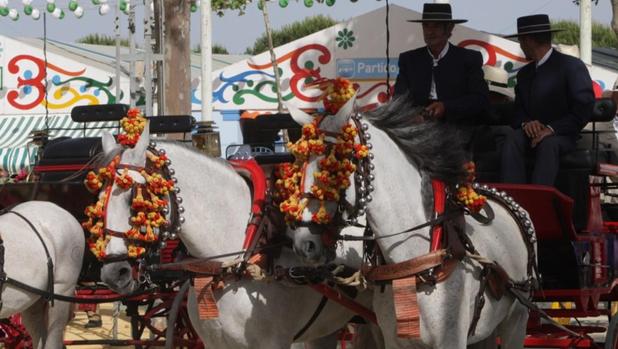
(61,168)
(354,306)
(258,179)
(439,202)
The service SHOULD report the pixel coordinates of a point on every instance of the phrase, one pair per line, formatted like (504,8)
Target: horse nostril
(124,272)
(309,247)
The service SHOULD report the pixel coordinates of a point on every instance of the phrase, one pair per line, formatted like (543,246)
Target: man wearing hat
(553,102)
(446,79)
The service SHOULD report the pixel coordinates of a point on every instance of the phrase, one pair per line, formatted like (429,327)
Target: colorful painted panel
(356,50)
(69,82)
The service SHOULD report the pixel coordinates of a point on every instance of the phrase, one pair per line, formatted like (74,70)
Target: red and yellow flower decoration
(147,203)
(334,169)
(466,194)
(336,92)
(133,124)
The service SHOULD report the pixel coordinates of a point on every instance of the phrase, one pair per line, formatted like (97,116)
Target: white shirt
(432,90)
(545,58)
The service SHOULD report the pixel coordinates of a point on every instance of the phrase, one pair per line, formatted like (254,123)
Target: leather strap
(406,308)
(479,302)
(206,304)
(198,266)
(407,268)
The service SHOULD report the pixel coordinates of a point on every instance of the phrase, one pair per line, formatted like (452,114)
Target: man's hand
(545,132)
(533,128)
(435,110)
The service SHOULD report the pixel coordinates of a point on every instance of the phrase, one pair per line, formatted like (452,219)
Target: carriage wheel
(611,338)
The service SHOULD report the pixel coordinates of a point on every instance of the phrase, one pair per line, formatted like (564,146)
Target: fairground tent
(356,49)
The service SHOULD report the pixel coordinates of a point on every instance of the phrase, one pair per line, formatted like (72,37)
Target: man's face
(436,33)
(526,45)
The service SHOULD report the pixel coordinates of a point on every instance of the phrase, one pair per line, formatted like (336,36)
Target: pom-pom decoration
(147,204)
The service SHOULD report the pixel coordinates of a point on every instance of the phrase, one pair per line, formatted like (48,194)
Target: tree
(602,35)
(614,14)
(216,49)
(291,32)
(102,39)
(177,52)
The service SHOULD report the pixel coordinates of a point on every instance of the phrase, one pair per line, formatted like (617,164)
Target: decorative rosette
(336,92)
(133,124)
(466,194)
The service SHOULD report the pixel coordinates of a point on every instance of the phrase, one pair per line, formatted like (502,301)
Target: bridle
(167,208)
(363,178)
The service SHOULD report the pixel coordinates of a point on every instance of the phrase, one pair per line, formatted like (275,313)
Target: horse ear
(299,116)
(144,139)
(108,142)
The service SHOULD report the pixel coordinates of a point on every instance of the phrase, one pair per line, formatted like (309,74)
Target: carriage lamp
(206,138)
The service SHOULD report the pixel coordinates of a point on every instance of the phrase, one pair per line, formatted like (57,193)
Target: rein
(431,223)
(50,263)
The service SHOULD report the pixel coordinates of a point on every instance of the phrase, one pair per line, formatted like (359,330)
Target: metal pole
(161,63)
(206,56)
(148,57)
(585,31)
(117,31)
(132,82)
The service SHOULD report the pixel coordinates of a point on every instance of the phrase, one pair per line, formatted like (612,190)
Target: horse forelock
(434,148)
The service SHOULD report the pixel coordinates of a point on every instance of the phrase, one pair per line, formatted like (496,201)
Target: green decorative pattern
(92,83)
(257,92)
(345,38)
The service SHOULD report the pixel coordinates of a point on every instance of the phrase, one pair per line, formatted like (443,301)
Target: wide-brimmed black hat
(533,24)
(437,13)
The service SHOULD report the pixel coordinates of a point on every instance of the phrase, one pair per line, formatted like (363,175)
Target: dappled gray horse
(394,193)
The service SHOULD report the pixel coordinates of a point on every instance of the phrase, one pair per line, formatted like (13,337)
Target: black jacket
(459,82)
(558,93)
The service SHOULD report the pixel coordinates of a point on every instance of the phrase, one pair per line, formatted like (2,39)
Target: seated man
(445,79)
(553,102)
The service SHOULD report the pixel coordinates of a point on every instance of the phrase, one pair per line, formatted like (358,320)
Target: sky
(236,33)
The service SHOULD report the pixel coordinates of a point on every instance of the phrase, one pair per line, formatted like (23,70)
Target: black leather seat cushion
(62,151)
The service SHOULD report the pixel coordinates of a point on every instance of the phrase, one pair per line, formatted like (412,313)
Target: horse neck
(397,200)
(216,199)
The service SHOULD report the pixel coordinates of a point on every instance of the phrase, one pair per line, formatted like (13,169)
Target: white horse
(26,261)
(252,314)
(404,156)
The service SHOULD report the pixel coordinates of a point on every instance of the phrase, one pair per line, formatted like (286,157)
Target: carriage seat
(552,213)
(63,157)
(575,167)
(488,157)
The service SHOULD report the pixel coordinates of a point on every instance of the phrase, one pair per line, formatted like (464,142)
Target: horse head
(132,211)
(326,196)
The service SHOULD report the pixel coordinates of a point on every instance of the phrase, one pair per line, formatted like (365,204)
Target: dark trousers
(546,157)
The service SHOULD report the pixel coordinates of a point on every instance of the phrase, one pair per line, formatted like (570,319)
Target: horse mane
(434,148)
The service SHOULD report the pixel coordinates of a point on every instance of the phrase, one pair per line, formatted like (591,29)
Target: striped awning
(16,149)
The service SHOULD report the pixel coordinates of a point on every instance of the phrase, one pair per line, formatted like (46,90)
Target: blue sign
(366,68)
